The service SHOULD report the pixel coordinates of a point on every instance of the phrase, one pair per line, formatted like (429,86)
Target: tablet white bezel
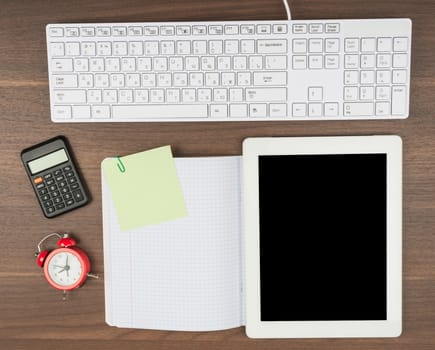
(254,147)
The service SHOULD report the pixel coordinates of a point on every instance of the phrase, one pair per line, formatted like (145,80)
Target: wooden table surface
(33,316)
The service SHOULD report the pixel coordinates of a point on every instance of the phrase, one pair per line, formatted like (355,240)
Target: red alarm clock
(66,267)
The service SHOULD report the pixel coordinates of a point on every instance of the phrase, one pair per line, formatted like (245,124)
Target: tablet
(323,236)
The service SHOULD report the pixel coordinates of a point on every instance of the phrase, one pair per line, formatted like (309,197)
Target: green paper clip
(121,166)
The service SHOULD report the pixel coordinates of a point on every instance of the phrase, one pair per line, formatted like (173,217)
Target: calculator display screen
(47,161)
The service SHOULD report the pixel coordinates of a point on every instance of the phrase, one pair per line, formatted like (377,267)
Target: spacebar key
(159,111)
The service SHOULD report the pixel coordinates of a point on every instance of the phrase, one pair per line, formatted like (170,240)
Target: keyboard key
(62,65)
(87,31)
(332,61)
(270,78)
(332,45)
(299,45)
(62,112)
(315,93)
(219,111)
(257,110)
(331,109)
(315,109)
(399,76)
(351,45)
(385,44)
(72,32)
(332,27)
(316,28)
(263,29)
(154,111)
(266,94)
(279,29)
(239,110)
(103,31)
(383,108)
(57,49)
(400,60)
(55,32)
(299,62)
(398,100)
(119,31)
(400,44)
(368,44)
(102,112)
(358,109)
(272,46)
(65,81)
(315,62)
(82,112)
(278,110)
(69,96)
(299,28)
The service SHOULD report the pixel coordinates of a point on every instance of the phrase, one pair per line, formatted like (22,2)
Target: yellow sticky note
(145,188)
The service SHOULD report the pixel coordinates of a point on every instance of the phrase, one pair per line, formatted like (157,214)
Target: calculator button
(50,210)
(67,196)
(64,190)
(58,172)
(74,186)
(69,202)
(52,188)
(48,204)
(40,185)
(61,184)
(78,195)
(55,194)
(67,168)
(69,174)
(49,182)
(48,176)
(60,206)
(57,200)
(72,180)
(43,191)
(45,197)
(38,180)
(60,178)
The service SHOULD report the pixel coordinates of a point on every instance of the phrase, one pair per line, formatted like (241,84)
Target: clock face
(65,269)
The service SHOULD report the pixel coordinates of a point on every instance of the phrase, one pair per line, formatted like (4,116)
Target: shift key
(266,94)
(69,96)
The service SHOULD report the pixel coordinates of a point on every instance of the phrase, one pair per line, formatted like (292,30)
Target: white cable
(287,9)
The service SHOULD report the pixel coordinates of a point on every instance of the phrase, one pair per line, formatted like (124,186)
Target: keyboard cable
(287,9)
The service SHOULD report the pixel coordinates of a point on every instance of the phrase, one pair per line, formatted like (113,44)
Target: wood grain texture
(33,316)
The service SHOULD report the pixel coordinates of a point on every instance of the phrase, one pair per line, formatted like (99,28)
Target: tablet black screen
(323,237)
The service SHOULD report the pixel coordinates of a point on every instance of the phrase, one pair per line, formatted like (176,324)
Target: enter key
(270,78)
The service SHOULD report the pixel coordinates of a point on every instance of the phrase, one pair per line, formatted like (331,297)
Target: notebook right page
(184,274)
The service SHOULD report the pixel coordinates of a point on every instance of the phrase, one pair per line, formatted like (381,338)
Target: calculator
(54,176)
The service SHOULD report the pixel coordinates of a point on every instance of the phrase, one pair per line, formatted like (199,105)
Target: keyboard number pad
(375,76)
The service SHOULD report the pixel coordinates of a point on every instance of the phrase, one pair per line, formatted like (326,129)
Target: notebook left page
(184,274)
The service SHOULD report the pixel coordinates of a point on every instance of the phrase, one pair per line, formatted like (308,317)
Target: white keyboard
(228,71)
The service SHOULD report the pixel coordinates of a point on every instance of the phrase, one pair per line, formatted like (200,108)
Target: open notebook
(185,274)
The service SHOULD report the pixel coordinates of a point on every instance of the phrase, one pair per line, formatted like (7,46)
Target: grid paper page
(184,274)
